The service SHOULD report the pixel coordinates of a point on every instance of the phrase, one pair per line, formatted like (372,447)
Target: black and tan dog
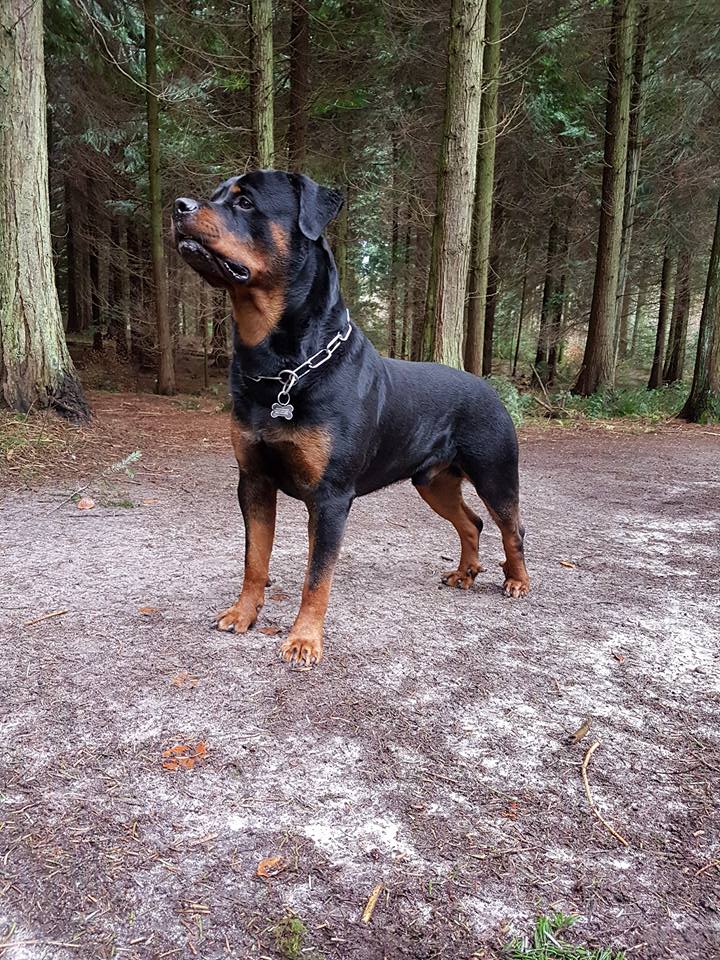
(349,421)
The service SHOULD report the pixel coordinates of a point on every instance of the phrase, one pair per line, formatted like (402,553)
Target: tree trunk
(166,369)
(394,243)
(263,109)
(80,312)
(558,309)
(71,318)
(299,83)
(122,307)
(703,402)
(218,342)
(521,316)
(492,293)
(596,372)
(450,255)
(639,312)
(622,335)
(482,218)
(407,313)
(634,153)
(665,285)
(675,360)
(542,354)
(35,365)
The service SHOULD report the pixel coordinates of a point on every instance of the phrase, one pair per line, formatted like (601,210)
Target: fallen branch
(594,809)
(46,616)
(371,904)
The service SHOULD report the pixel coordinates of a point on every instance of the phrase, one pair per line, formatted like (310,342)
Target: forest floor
(431,752)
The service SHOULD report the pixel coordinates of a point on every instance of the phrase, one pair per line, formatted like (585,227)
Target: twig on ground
(46,616)
(372,903)
(594,809)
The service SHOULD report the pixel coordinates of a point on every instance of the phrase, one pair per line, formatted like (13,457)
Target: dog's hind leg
(444,494)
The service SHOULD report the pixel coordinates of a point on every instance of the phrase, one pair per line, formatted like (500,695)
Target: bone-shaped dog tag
(282,410)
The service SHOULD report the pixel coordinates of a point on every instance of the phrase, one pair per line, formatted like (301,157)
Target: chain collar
(288,378)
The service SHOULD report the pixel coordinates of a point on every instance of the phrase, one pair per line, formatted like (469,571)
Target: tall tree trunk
(299,82)
(166,369)
(71,319)
(394,238)
(542,354)
(661,334)
(558,308)
(407,313)
(622,326)
(35,365)
(491,294)
(482,218)
(675,361)
(340,247)
(639,313)
(704,399)
(263,106)
(122,306)
(521,316)
(80,311)
(634,153)
(596,372)
(218,341)
(450,255)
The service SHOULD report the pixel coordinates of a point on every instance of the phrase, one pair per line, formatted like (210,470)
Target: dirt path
(429,753)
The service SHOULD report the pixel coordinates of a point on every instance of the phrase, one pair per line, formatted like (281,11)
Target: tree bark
(394,243)
(492,293)
(166,369)
(675,360)
(542,354)
(71,318)
(407,312)
(597,368)
(634,154)
(299,83)
(35,365)
(665,285)
(521,316)
(450,253)
(558,309)
(703,403)
(482,218)
(263,107)
(639,312)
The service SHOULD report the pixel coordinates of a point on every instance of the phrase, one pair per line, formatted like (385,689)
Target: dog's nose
(185,205)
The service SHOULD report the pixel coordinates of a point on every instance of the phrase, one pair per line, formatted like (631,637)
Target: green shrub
(627,402)
(516,403)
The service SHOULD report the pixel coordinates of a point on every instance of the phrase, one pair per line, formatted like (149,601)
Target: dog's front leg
(328,514)
(257,496)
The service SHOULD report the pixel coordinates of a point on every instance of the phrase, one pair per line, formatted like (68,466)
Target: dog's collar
(288,378)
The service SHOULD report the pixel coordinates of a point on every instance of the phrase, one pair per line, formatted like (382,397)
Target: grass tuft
(546,944)
(290,933)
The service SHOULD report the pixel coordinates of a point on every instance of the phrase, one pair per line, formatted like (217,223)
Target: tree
(661,333)
(675,359)
(166,369)
(35,365)
(482,218)
(299,83)
(450,254)
(704,399)
(261,20)
(598,364)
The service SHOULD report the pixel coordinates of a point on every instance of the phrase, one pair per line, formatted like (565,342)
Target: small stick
(594,809)
(46,616)
(371,904)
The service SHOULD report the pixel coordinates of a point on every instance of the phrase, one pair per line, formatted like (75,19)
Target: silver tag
(282,410)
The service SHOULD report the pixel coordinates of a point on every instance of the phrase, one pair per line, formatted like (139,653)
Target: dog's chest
(297,456)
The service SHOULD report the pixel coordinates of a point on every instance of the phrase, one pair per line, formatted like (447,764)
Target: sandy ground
(429,753)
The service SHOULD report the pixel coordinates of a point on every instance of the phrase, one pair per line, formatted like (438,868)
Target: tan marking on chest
(256,311)
(305,450)
(242,439)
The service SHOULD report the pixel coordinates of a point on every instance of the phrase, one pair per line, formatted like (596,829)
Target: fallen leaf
(149,502)
(148,611)
(278,596)
(184,679)
(512,810)
(619,656)
(184,756)
(87,503)
(270,631)
(568,563)
(582,731)
(270,867)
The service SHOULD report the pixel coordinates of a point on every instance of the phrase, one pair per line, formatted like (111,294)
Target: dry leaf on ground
(148,611)
(278,596)
(568,563)
(86,503)
(184,756)
(184,679)
(270,867)
(271,631)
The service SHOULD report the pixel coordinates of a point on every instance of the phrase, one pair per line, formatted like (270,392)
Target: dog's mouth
(211,266)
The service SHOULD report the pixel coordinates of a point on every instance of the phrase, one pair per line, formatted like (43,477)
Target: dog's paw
(302,650)
(462,579)
(516,588)
(239,617)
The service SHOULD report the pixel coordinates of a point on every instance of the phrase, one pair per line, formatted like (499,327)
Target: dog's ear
(318,206)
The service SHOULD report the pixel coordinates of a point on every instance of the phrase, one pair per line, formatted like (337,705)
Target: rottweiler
(319,414)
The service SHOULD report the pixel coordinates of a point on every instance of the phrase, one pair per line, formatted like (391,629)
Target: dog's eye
(244,203)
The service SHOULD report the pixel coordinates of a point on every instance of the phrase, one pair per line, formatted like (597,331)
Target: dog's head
(254,228)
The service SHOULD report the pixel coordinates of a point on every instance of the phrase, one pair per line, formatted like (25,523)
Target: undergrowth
(546,944)
(657,404)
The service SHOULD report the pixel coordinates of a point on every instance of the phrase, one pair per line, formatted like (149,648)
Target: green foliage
(632,402)
(546,945)
(516,403)
(290,933)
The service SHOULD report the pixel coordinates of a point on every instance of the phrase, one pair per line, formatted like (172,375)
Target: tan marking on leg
(517,581)
(306,450)
(260,533)
(242,439)
(305,643)
(444,495)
